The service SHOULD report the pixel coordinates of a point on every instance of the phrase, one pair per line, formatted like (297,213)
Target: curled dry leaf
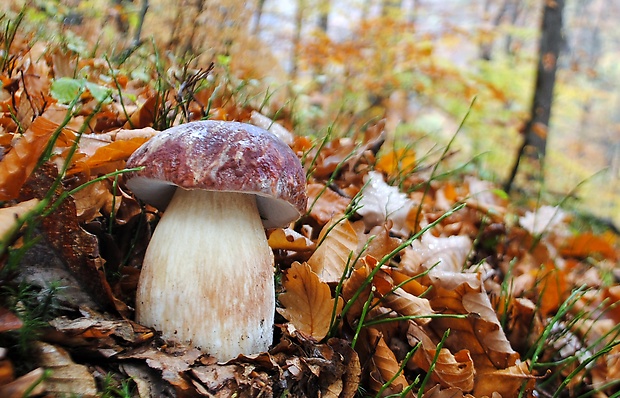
(67,377)
(289,239)
(480,332)
(325,204)
(504,381)
(336,245)
(377,241)
(307,301)
(384,365)
(8,216)
(27,385)
(407,304)
(451,370)
(107,155)
(90,200)
(19,161)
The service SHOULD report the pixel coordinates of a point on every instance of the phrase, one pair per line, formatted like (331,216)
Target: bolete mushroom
(207,275)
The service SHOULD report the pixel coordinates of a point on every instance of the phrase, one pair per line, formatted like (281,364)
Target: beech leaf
(307,301)
(335,247)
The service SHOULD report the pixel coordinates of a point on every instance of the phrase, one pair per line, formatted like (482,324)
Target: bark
(535,142)
(325,7)
(260,7)
(299,19)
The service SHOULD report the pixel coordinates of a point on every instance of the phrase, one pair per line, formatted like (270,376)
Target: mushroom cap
(221,156)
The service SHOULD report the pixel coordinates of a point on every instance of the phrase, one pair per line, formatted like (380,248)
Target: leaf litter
(383,288)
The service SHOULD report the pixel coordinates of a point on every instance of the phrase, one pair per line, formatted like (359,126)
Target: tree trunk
(325,7)
(535,142)
(260,6)
(299,19)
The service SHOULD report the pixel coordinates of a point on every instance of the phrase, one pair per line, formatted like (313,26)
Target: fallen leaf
(66,377)
(9,321)
(307,301)
(289,239)
(406,304)
(384,366)
(398,162)
(325,204)
(31,383)
(587,244)
(112,152)
(8,216)
(505,381)
(336,249)
(450,370)
(20,160)
(381,202)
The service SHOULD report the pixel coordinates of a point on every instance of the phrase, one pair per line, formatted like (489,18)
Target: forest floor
(404,277)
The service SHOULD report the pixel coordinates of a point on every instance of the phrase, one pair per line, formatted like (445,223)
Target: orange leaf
(400,161)
(289,239)
(451,370)
(586,244)
(20,160)
(552,288)
(326,204)
(307,301)
(408,305)
(385,364)
(114,151)
(9,214)
(504,381)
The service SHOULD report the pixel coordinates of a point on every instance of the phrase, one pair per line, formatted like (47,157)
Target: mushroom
(207,275)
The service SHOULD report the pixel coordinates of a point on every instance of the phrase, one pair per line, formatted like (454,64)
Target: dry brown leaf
(480,332)
(289,239)
(112,152)
(307,301)
(173,363)
(325,204)
(504,381)
(381,243)
(19,387)
(90,200)
(9,321)
(335,247)
(67,377)
(350,288)
(384,365)
(144,116)
(8,216)
(437,392)
(77,249)
(407,304)
(20,160)
(451,370)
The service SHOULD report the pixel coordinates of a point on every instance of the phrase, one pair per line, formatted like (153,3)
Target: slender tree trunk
(325,7)
(260,7)
(299,19)
(535,132)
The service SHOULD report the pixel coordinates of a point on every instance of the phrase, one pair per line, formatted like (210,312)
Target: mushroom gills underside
(207,276)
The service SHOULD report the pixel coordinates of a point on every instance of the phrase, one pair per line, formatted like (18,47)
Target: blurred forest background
(338,64)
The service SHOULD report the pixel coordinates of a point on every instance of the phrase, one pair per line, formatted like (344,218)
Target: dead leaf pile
(385,287)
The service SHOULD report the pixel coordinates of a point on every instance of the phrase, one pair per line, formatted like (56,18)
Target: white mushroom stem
(207,276)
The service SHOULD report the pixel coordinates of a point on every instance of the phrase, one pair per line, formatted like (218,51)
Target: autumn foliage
(394,283)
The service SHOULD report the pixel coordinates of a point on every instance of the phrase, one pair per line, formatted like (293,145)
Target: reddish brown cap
(221,156)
